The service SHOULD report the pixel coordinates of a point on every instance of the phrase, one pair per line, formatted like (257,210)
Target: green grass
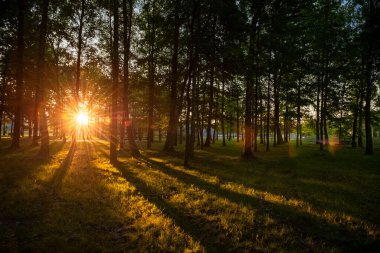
(288,200)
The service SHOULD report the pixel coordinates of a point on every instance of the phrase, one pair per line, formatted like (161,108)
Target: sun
(82,118)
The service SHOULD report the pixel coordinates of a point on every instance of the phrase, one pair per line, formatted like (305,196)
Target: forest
(225,125)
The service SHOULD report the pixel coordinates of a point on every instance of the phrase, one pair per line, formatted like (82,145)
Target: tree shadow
(302,222)
(55,182)
(191,227)
(21,164)
(288,176)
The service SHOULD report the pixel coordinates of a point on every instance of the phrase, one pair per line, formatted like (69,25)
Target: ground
(288,200)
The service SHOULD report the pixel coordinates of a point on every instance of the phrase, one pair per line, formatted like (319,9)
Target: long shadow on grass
(55,182)
(21,163)
(191,227)
(290,172)
(304,223)
(30,213)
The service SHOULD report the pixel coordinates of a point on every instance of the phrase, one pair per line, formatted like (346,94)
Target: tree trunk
(370,24)
(237,118)
(180,134)
(317,137)
(44,150)
(222,113)
(326,140)
(151,76)
(1,114)
(189,145)
(115,81)
(249,90)
(298,113)
(322,111)
(360,124)
(354,127)
(261,116)
(79,53)
(211,89)
(173,119)
(279,140)
(127,33)
(19,73)
(268,117)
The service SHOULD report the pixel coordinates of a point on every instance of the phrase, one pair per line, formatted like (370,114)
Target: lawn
(288,200)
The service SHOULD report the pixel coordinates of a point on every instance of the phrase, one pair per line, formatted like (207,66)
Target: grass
(289,200)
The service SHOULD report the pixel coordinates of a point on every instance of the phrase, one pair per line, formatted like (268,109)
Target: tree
(44,150)
(371,32)
(19,73)
(127,33)
(115,83)
(255,11)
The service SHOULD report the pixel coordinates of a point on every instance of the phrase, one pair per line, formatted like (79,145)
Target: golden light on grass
(82,118)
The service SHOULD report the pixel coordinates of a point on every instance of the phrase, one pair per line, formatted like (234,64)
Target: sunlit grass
(289,200)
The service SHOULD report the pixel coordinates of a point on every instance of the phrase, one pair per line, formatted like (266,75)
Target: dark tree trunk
(268,117)
(222,113)
(298,113)
(326,140)
(215,135)
(79,53)
(151,76)
(180,134)
(322,111)
(277,129)
(2,97)
(210,109)
(367,108)
(211,90)
(341,112)
(256,109)
(202,117)
(370,24)
(237,118)
(61,128)
(355,122)
(249,90)
(1,115)
(317,137)
(127,32)
(261,116)
(19,73)
(173,119)
(360,123)
(44,150)
(189,145)
(115,81)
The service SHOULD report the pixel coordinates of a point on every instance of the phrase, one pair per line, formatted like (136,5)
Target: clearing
(289,200)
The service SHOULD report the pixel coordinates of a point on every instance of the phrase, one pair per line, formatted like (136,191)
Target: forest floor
(288,200)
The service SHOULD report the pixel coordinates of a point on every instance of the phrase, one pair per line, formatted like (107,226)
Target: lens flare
(82,118)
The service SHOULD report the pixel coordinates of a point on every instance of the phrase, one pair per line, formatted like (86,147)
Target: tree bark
(19,73)
(237,118)
(151,76)
(189,145)
(355,122)
(115,81)
(222,113)
(370,23)
(173,119)
(79,52)
(127,33)
(44,150)
(298,113)
(211,89)
(249,89)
